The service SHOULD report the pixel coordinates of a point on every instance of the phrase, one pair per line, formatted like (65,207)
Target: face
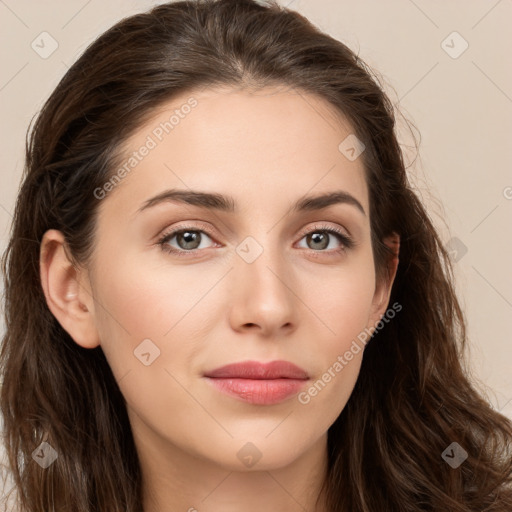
(183,285)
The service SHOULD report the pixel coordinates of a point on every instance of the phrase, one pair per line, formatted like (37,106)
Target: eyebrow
(220,202)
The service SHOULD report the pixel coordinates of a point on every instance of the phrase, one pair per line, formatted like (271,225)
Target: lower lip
(259,391)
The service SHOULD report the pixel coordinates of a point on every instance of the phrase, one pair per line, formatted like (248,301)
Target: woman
(222,293)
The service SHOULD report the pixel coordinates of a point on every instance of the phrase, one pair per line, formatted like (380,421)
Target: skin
(298,301)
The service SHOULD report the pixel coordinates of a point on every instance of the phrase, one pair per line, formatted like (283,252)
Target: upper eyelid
(175,230)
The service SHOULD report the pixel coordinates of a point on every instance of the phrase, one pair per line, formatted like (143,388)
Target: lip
(259,383)
(256,370)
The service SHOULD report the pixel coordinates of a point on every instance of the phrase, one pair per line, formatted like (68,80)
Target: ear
(383,287)
(67,290)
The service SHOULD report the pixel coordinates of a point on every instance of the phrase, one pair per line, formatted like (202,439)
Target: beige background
(460,103)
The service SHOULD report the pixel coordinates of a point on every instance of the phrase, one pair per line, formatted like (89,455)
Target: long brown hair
(413,397)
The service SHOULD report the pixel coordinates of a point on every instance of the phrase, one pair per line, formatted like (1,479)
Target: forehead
(265,146)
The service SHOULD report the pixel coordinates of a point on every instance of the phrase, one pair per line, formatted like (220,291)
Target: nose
(263,297)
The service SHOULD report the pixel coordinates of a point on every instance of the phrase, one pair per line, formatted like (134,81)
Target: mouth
(259,383)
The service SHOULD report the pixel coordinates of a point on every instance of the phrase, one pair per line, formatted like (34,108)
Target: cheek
(342,300)
(143,299)
(344,306)
(139,300)
(151,314)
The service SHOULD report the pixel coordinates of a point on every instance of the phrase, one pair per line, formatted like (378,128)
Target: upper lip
(257,370)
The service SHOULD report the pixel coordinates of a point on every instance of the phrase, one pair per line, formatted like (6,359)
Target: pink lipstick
(259,383)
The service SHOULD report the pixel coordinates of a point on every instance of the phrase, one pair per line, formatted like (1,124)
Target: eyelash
(347,242)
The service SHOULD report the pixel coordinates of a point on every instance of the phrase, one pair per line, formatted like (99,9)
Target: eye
(320,238)
(188,239)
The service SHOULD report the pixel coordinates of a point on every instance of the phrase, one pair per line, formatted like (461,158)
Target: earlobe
(383,288)
(66,296)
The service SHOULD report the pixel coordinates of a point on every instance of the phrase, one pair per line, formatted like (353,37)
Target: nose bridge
(260,259)
(262,281)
